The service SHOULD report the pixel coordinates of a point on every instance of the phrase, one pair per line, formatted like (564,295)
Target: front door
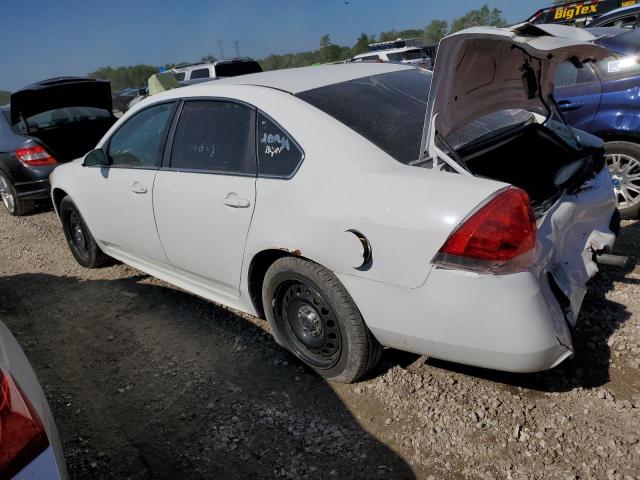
(117,201)
(204,199)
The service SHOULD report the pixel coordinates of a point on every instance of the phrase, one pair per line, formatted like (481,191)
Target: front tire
(313,316)
(623,160)
(81,243)
(14,204)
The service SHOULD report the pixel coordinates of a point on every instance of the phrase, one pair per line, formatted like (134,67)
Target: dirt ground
(146,381)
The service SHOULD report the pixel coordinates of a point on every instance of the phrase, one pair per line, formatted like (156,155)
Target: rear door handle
(233,200)
(567,106)
(137,187)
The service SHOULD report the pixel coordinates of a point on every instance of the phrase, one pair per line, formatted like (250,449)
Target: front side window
(215,136)
(139,141)
(278,154)
(199,73)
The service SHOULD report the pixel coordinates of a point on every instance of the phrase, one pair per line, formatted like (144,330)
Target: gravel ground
(146,381)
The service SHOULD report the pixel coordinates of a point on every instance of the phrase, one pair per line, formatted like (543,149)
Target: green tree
(434,32)
(4,97)
(482,16)
(362,44)
(123,77)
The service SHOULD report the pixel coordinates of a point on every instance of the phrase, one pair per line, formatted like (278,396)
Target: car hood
(59,93)
(482,70)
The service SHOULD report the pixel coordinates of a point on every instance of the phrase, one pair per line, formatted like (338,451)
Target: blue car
(604,99)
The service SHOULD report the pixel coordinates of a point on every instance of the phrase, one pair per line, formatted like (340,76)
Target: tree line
(136,75)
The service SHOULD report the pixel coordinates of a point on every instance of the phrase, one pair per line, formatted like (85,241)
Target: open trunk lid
(60,93)
(482,70)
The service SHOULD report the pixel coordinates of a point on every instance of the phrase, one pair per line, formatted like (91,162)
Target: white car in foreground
(29,444)
(322,199)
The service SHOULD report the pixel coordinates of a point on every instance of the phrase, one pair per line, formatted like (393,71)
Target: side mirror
(96,158)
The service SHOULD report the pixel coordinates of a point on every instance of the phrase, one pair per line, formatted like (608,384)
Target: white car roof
(295,80)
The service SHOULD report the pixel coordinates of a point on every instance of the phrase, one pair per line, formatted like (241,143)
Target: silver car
(29,443)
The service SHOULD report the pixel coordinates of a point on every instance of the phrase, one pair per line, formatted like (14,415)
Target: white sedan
(355,210)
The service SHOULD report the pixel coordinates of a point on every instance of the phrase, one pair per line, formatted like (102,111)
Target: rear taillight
(22,435)
(499,237)
(35,156)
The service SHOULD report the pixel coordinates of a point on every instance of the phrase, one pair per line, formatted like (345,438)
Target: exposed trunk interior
(73,140)
(528,158)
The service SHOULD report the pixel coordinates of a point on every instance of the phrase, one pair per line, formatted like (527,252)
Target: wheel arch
(258,267)
(616,136)
(57,195)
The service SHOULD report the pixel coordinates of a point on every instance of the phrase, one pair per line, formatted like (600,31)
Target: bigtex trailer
(578,12)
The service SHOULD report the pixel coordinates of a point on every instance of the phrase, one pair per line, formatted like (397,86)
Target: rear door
(578,93)
(205,194)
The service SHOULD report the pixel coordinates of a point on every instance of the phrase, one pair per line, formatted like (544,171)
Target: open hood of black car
(59,93)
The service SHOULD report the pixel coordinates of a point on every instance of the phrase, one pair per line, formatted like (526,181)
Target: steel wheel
(310,322)
(625,174)
(7,195)
(78,234)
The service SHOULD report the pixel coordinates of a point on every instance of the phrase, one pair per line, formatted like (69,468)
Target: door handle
(567,106)
(137,187)
(233,200)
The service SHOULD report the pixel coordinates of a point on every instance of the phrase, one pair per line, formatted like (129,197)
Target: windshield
(407,55)
(60,117)
(387,109)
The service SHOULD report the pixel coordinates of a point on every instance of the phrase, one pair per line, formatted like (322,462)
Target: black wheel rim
(310,324)
(77,232)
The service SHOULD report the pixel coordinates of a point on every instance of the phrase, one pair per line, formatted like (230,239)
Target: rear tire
(14,204)
(623,160)
(81,243)
(313,316)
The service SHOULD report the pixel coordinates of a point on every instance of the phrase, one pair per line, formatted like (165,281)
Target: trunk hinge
(437,154)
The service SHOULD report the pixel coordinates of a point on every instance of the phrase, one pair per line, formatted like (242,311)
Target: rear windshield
(387,109)
(62,116)
(237,68)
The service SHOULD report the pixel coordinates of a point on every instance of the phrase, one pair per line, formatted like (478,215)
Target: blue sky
(45,38)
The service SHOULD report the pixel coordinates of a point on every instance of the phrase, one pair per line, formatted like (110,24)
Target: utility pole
(221,50)
(235,42)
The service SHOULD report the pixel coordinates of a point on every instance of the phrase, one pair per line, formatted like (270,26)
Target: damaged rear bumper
(503,322)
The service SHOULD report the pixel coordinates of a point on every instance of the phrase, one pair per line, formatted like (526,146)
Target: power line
(221,50)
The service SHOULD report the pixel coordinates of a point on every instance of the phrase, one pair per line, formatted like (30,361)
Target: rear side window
(567,75)
(629,21)
(216,137)
(386,109)
(233,69)
(139,141)
(180,76)
(278,154)
(199,73)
